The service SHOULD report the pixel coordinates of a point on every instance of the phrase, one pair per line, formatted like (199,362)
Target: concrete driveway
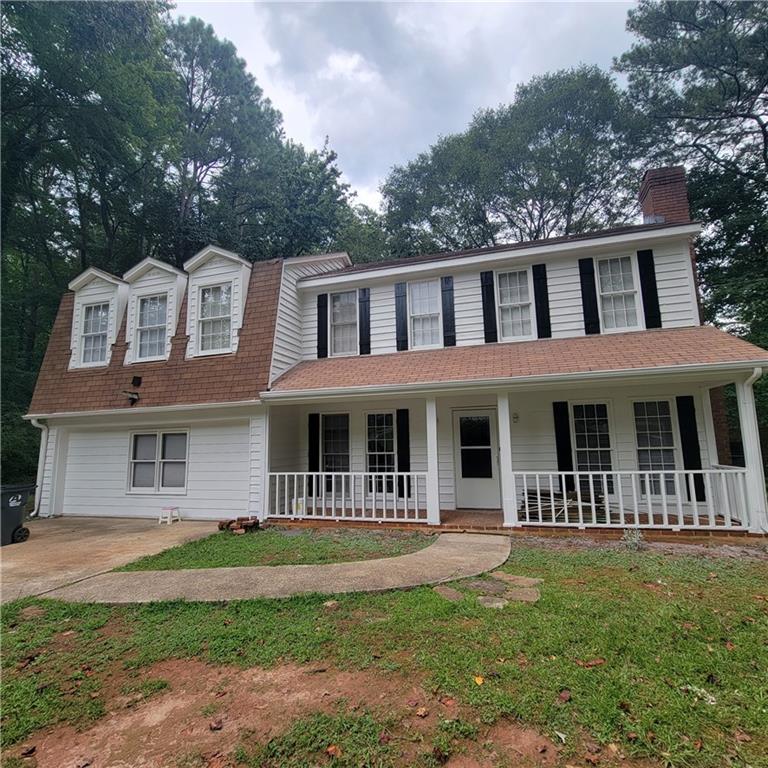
(64,550)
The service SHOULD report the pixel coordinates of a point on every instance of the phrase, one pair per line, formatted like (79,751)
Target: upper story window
(424,311)
(344,323)
(618,295)
(95,327)
(151,327)
(215,324)
(515,304)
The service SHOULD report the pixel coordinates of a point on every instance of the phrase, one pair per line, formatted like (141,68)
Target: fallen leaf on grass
(591,663)
(422,712)
(730,646)
(560,736)
(334,750)
(740,736)
(479,679)
(384,738)
(564,696)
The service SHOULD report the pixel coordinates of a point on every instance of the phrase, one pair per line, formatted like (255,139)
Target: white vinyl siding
(424,314)
(514,294)
(152,327)
(94,335)
(217,480)
(618,295)
(343,323)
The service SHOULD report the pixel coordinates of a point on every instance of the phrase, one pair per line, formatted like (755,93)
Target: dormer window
(618,295)
(344,323)
(151,327)
(215,324)
(95,327)
(424,309)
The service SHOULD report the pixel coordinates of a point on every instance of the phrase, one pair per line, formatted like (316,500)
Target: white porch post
(753,460)
(263,506)
(508,494)
(433,480)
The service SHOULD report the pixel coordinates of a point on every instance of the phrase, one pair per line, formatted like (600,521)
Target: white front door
(476,459)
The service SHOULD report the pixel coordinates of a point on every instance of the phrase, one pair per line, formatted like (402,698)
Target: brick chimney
(664,196)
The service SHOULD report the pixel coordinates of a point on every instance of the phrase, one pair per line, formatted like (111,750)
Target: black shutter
(449,320)
(322,325)
(364,320)
(313,448)
(541,297)
(489,307)
(401,316)
(403,448)
(589,296)
(563,442)
(689,440)
(647,269)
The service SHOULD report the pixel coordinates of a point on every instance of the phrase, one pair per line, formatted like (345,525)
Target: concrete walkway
(452,556)
(63,550)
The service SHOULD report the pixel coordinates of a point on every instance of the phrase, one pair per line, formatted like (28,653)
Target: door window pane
(475,431)
(476,463)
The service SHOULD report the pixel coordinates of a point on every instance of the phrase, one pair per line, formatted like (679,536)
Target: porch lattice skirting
(707,499)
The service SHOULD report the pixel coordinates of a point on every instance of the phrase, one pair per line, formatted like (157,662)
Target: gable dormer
(100,300)
(156,290)
(218,284)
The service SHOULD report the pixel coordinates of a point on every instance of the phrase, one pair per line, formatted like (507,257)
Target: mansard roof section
(93,273)
(210,252)
(148,264)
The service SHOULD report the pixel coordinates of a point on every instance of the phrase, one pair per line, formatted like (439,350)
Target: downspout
(755,375)
(40,463)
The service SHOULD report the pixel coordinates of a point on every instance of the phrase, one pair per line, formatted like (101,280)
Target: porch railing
(361,496)
(680,499)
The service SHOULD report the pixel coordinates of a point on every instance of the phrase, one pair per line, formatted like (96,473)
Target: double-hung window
(344,323)
(424,311)
(158,462)
(151,326)
(593,444)
(215,324)
(95,326)
(618,295)
(515,305)
(335,450)
(655,444)
(380,449)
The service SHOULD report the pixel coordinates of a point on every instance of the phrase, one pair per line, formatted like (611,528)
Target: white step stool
(169,515)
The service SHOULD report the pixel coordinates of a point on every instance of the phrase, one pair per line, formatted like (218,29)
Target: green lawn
(665,656)
(276,546)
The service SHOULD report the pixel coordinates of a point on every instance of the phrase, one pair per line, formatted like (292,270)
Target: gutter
(506,382)
(40,463)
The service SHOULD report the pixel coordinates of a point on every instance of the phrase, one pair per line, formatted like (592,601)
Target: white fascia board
(142,411)
(340,256)
(550,380)
(146,265)
(208,253)
(537,250)
(92,273)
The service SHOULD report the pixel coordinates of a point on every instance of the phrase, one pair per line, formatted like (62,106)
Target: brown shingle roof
(216,379)
(610,352)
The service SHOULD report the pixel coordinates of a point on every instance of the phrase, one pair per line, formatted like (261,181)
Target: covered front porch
(588,454)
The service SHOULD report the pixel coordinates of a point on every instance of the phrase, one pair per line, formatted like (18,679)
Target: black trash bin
(14,502)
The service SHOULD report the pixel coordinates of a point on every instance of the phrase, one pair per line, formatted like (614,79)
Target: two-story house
(563,382)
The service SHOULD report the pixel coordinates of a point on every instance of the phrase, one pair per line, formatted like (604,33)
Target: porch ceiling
(663,350)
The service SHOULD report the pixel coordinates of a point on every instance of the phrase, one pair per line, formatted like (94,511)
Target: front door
(476,462)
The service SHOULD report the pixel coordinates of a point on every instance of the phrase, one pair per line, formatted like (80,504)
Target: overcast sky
(383,80)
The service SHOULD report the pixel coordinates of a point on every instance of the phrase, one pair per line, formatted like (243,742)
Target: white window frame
(639,312)
(137,335)
(676,442)
(356,350)
(411,316)
(157,490)
(531,303)
(611,437)
(83,334)
(200,319)
(380,412)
